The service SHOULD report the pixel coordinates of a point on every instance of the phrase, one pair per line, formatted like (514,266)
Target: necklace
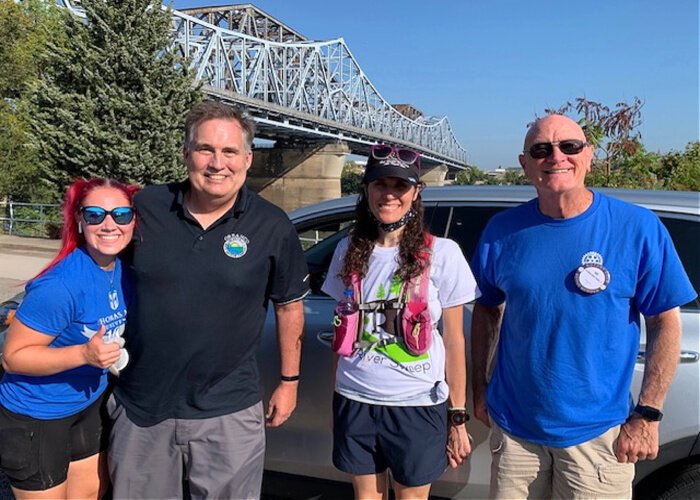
(112,295)
(388,228)
(110,275)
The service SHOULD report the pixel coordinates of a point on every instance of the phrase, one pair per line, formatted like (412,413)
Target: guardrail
(39,220)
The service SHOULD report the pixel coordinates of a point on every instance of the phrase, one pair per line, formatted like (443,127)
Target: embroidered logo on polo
(591,276)
(235,245)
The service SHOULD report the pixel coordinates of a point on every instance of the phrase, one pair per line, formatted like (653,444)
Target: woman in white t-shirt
(394,409)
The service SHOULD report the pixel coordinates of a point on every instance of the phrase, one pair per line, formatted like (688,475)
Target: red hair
(76,193)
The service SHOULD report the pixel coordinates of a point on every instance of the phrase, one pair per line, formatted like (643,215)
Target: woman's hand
(99,354)
(458,445)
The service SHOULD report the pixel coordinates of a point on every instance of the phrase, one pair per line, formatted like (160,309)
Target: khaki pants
(521,469)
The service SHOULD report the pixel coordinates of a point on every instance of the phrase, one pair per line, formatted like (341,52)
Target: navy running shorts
(410,441)
(34,453)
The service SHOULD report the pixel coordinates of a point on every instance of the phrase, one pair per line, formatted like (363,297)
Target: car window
(467,224)
(436,218)
(311,236)
(319,237)
(686,238)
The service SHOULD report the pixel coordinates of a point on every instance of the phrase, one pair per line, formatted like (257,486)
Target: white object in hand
(123,360)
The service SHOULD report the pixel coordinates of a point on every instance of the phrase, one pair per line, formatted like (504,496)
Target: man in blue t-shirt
(567,276)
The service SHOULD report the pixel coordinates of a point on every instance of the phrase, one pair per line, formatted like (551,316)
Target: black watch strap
(648,413)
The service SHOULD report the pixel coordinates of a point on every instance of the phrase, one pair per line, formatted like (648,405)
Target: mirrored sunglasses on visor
(544,149)
(96,215)
(382,152)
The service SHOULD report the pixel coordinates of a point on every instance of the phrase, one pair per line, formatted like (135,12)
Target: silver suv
(301,449)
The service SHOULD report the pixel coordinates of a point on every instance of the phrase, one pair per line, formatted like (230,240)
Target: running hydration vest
(407,317)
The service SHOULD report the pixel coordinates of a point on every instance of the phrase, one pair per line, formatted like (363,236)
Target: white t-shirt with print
(390,375)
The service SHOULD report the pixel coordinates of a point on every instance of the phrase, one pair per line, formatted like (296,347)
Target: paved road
(20,259)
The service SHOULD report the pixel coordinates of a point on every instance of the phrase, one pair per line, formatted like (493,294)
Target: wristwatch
(457,416)
(648,413)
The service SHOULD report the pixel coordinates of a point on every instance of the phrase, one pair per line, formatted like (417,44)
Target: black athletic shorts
(34,453)
(410,441)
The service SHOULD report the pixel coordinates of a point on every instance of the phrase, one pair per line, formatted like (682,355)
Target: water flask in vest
(345,324)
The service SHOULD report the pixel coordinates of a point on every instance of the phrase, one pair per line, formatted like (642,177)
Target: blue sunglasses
(96,215)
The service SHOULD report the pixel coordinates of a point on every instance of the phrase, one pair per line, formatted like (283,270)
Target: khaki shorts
(521,469)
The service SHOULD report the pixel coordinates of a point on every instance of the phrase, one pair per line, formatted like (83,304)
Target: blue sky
(492,65)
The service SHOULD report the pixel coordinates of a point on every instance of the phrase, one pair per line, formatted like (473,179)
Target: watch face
(458,417)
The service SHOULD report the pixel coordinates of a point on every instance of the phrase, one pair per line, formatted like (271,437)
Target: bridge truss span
(314,82)
(298,89)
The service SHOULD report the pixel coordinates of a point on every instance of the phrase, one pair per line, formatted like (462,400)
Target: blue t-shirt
(565,358)
(69,302)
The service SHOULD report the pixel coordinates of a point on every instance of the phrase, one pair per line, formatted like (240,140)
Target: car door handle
(325,337)
(686,357)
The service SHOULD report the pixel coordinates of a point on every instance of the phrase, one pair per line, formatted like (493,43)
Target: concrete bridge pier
(296,175)
(434,176)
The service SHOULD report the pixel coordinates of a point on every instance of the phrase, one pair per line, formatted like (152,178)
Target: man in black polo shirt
(207,256)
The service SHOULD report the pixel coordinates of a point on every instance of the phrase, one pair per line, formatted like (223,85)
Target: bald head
(559,127)
(556,159)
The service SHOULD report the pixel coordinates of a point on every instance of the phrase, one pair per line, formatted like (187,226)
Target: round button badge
(592,278)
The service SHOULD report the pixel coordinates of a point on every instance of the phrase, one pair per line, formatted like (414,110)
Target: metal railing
(41,220)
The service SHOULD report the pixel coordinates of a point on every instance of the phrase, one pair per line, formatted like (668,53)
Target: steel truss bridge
(299,90)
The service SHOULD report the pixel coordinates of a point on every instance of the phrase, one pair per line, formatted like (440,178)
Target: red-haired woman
(400,398)
(66,334)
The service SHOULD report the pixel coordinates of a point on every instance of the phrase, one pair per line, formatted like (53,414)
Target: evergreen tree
(112,101)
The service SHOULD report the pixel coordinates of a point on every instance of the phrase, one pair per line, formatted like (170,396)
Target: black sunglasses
(544,149)
(96,215)
(382,152)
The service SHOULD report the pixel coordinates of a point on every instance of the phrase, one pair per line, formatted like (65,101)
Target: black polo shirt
(200,303)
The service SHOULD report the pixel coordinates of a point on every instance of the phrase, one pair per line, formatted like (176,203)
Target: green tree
(112,101)
(19,172)
(350,178)
(613,132)
(640,170)
(470,176)
(681,171)
(27,28)
(515,178)
(476,176)
(621,159)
